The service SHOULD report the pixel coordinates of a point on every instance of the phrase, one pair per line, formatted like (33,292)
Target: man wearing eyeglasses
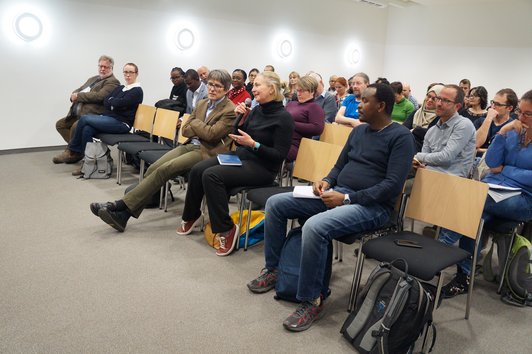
(88,98)
(450,145)
(502,105)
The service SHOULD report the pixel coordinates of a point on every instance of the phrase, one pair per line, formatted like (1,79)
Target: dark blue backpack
(288,269)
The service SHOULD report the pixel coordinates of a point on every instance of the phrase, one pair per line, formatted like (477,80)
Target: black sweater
(374,164)
(122,105)
(272,126)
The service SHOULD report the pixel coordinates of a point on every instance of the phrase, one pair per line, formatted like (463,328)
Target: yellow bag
(257,221)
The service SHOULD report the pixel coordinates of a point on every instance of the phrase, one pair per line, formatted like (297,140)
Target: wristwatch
(346,199)
(256,146)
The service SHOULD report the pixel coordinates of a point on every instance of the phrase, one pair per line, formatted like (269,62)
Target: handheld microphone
(239,116)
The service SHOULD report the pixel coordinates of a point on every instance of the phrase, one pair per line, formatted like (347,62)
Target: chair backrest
(144,118)
(165,123)
(452,202)
(335,134)
(180,138)
(315,159)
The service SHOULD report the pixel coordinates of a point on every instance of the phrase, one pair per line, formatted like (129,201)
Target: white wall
(489,43)
(36,82)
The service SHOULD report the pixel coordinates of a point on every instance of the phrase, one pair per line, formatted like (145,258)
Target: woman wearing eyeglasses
(476,104)
(509,158)
(118,116)
(424,118)
(262,144)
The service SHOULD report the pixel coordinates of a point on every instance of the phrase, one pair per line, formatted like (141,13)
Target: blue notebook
(229,160)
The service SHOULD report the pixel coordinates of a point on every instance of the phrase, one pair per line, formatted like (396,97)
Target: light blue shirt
(450,147)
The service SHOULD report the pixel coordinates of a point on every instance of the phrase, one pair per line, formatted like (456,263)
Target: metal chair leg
(248,221)
(141,173)
(240,211)
(119,169)
(340,251)
(507,261)
(357,276)
(166,190)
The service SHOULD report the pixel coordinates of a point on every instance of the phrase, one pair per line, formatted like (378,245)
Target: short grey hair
(222,76)
(107,58)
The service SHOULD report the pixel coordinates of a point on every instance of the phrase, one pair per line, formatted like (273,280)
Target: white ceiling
(409,3)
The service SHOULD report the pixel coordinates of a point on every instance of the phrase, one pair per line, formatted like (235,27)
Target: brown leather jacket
(92,102)
(213,131)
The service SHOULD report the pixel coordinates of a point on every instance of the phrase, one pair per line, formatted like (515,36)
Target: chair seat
(503,226)
(151,156)
(236,190)
(259,196)
(422,262)
(113,139)
(135,148)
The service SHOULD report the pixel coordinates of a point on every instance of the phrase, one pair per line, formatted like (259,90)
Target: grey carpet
(71,284)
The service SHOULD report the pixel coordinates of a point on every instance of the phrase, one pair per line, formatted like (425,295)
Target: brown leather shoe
(61,157)
(73,157)
(77,172)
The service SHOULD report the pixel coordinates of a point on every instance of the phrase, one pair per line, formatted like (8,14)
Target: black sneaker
(457,286)
(115,219)
(303,317)
(95,207)
(264,282)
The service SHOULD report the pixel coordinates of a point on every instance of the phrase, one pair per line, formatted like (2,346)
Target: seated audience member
(358,194)
(262,145)
(340,87)
(425,117)
(449,146)
(251,76)
(324,99)
(269,68)
(382,80)
(88,98)
(308,116)
(203,73)
(502,105)
(509,157)
(348,113)
(332,82)
(290,93)
(465,85)
(402,107)
(407,92)
(207,130)
(179,90)
(238,93)
(118,116)
(476,104)
(197,90)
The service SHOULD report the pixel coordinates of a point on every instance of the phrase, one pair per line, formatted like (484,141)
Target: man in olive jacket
(88,98)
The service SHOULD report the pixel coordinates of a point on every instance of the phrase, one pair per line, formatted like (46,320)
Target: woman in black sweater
(262,144)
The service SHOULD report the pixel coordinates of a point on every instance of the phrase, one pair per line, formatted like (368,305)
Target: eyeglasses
(431,98)
(104,67)
(129,72)
(212,85)
(498,104)
(527,114)
(443,100)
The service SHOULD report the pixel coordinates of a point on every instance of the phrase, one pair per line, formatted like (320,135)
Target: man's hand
(319,187)
(416,164)
(332,199)
(492,113)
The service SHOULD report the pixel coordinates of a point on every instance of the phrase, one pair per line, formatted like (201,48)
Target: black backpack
(394,310)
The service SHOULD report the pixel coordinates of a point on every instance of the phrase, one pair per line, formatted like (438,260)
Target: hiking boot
(61,157)
(264,282)
(457,286)
(302,318)
(228,241)
(116,219)
(187,226)
(95,207)
(72,156)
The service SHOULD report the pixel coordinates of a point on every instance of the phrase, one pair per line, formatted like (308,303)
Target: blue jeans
(323,225)
(90,125)
(518,208)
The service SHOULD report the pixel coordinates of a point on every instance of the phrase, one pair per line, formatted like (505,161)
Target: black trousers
(214,181)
